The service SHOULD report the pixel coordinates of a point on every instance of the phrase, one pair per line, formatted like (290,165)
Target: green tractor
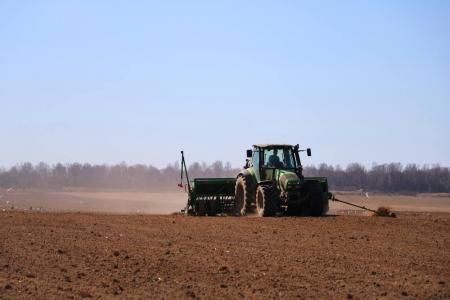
(270,184)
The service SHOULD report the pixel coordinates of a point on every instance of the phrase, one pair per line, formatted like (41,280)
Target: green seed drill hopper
(208,196)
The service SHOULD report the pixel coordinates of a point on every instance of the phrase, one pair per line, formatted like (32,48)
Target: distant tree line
(121,176)
(386,177)
(391,177)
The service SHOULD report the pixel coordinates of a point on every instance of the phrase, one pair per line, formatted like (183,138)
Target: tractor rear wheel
(244,196)
(318,201)
(266,201)
(295,210)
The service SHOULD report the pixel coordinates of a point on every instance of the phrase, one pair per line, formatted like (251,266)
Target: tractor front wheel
(266,201)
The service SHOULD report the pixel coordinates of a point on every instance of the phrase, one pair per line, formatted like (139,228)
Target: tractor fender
(248,174)
(244,172)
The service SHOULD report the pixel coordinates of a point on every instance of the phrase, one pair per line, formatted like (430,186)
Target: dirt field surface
(135,202)
(80,255)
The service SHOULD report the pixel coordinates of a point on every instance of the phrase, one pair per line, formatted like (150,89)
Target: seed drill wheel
(266,201)
(200,208)
(244,196)
(212,207)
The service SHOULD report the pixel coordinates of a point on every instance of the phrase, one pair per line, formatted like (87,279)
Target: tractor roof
(273,146)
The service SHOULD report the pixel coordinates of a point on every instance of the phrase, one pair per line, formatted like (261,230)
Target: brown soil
(79,255)
(122,201)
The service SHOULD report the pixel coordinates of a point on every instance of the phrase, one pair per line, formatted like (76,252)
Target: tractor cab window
(279,158)
(255,159)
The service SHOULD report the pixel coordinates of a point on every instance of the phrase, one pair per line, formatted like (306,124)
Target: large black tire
(318,200)
(295,210)
(266,201)
(244,196)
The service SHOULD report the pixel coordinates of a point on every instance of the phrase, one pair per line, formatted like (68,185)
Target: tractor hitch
(380,212)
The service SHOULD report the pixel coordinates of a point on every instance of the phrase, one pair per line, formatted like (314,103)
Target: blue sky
(136,81)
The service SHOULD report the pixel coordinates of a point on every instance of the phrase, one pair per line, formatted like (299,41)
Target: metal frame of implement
(207,196)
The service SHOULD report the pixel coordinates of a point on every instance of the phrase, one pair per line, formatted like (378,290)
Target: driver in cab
(274,161)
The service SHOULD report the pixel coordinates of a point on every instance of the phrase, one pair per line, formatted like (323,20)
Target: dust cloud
(118,202)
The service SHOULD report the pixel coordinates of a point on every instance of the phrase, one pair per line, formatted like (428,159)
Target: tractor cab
(268,160)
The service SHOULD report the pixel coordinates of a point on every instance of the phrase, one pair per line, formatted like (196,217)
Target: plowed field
(80,255)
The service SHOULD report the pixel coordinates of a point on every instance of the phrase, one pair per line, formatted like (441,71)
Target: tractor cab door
(256,163)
